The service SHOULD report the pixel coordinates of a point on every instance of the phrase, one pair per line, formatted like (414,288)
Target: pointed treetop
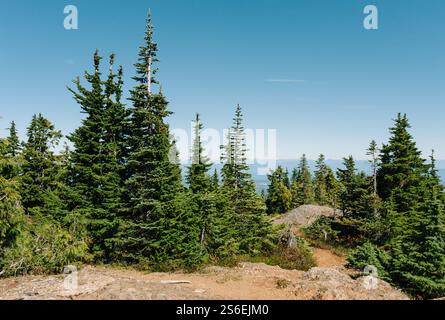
(145,71)
(112,57)
(97,59)
(14,141)
(372,147)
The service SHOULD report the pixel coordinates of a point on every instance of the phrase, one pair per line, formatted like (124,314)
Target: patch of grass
(299,257)
(282,283)
(294,258)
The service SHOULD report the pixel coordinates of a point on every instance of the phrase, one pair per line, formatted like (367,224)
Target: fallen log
(175,282)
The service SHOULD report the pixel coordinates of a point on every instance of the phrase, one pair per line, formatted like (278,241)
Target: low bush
(44,246)
(321,230)
(369,254)
(298,257)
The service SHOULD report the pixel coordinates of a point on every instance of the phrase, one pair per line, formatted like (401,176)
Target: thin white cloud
(286,80)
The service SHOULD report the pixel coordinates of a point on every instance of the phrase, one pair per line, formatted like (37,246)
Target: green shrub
(11,214)
(321,230)
(377,230)
(44,247)
(298,257)
(290,252)
(369,255)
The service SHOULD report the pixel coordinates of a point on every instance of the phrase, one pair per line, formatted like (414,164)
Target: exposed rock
(305,215)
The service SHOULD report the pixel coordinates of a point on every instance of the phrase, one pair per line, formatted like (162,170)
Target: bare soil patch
(249,281)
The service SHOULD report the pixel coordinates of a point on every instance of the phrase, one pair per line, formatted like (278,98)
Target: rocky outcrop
(305,215)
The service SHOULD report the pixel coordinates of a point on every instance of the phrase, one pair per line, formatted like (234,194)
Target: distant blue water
(442,174)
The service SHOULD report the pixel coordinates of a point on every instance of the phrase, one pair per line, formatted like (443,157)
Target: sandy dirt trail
(325,258)
(248,281)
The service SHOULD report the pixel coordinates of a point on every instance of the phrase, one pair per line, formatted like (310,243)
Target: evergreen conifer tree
(14,144)
(320,191)
(373,152)
(354,200)
(332,188)
(253,228)
(418,263)
(279,197)
(11,211)
(215,181)
(99,155)
(197,177)
(402,169)
(301,187)
(159,227)
(11,154)
(200,184)
(433,176)
(40,169)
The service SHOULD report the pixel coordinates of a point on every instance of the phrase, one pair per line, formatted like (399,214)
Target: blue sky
(307,68)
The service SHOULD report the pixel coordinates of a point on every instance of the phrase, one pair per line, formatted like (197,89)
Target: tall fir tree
(11,154)
(158,227)
(14,143)
(215,181)
(279,197)
(373,153)
(200,184)
(99,154)
(347,178)
(354,192)
(402,168)
(332,188)
(151,163)
(11,211)
(320,191)
(286,179)
(40,169)
(253,228)
(114,142)
(418,264)
(302,187)
(433,176)
(198,178)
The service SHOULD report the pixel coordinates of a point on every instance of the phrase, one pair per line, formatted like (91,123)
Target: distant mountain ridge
(362,165)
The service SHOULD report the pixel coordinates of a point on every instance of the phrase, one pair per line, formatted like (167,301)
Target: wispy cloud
(286,80)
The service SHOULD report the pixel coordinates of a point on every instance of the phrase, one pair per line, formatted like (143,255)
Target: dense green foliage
(154,205)
(301,185)
(321,230)
(96,163)
(279,196)
(252,228)
(11,211)
(37,233)
(394,219)
(369,254)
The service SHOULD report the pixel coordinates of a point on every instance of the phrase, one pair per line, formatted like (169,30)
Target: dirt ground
(325,258)
(248,281)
